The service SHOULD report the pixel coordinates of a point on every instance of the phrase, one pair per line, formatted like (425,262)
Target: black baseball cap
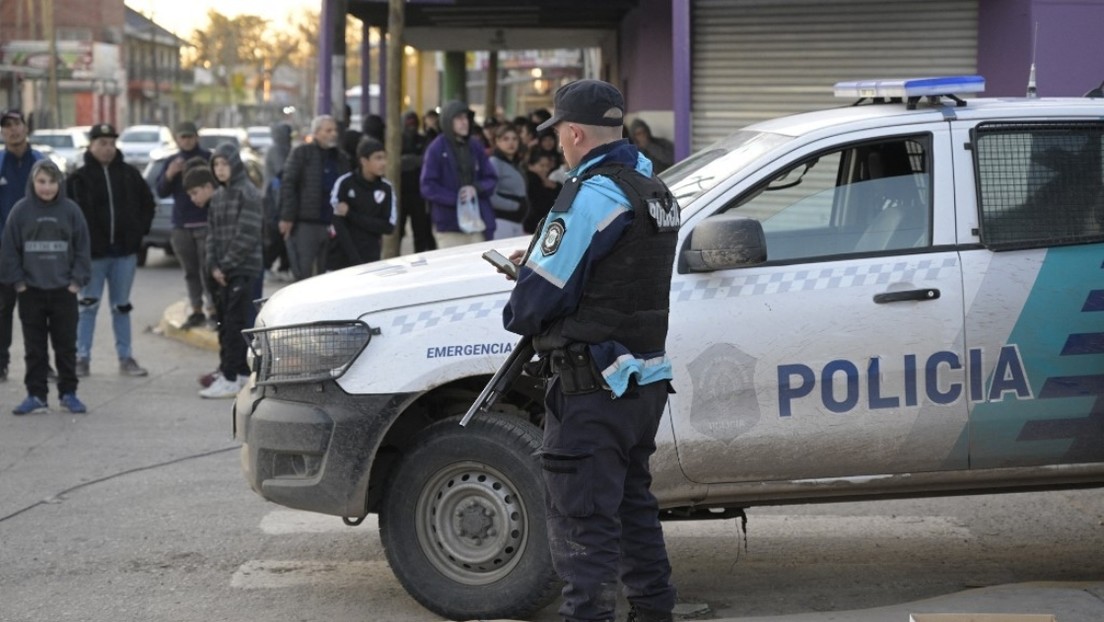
(101,130)
(11,115)
(590,102)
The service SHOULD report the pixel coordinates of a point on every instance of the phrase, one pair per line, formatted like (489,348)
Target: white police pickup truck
(898,298)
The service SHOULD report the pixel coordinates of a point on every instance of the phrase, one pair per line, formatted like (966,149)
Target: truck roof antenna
(1032,93)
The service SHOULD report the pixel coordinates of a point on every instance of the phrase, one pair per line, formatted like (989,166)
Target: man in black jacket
(309,176)
(119,207)
(189,232)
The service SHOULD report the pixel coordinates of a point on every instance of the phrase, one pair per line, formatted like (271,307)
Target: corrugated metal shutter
(757,59)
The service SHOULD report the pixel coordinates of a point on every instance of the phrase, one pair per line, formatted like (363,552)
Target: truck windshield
(705,169)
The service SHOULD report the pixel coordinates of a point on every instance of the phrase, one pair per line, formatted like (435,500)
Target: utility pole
(153,59)
(54,119)
(395,23)
(490,99)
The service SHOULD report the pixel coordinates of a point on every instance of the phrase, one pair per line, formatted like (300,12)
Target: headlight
(306,352)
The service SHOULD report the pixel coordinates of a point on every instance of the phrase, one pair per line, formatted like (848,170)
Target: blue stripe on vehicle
(1084,343)
(1095,301)
(1065,423)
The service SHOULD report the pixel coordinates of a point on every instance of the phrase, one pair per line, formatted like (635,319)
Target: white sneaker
(222,388)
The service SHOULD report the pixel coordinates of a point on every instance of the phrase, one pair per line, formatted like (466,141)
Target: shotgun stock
(503,379)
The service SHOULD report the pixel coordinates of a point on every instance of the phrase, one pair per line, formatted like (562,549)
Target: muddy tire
(462,521)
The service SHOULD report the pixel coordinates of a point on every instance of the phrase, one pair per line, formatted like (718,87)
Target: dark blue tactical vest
(627,295)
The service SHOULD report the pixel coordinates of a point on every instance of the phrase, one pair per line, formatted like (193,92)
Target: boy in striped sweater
(234,222)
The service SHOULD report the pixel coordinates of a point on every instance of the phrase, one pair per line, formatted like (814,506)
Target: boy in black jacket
(45,256)
(364,209)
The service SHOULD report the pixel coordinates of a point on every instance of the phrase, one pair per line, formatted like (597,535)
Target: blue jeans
(119,274)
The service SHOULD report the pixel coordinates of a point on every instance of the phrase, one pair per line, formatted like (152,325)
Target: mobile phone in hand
(500,261)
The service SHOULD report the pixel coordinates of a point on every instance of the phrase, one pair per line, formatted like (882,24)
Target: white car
(137,142)
(900,298)
(69,143)
(260,137)
(211,137)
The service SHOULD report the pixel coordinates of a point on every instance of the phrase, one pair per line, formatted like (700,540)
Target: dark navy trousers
(49,315)
(603,521)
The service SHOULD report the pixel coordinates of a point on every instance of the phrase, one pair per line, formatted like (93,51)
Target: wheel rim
(471,523)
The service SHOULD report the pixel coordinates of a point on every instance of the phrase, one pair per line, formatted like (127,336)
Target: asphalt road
(138,511)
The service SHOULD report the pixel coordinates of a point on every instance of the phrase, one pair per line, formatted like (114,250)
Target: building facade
(697,70)
(156,85)
(112,63)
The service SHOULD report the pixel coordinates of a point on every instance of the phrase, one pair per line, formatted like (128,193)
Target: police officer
(593,291)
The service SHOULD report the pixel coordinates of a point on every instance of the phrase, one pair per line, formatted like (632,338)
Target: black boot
(648,615)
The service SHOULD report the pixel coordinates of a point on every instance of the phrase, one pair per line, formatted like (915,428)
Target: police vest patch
(665,213)
(552,237)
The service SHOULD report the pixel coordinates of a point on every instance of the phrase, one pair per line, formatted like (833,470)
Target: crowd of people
(325,204)
(596,309)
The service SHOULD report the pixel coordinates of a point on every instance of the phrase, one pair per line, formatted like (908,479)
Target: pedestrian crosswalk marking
(275,574)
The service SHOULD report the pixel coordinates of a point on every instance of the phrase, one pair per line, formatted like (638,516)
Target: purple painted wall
(645,50)
(1070,56)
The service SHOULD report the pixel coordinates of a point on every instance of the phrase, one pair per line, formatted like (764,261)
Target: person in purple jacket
(456,168)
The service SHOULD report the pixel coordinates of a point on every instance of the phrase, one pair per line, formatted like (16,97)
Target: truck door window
(1040,184)
(870,197)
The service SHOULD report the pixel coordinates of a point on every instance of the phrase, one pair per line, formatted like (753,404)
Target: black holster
(540,368)
(576,369)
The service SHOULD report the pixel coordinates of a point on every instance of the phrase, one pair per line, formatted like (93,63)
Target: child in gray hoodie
(46,256)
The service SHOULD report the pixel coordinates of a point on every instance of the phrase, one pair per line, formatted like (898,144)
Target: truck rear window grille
(1040,184)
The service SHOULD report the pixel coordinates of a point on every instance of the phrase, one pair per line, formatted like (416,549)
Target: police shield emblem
(552,237)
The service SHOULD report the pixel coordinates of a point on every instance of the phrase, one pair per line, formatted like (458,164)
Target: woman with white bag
(458,180)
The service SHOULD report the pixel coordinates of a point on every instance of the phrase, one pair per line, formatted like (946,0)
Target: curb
(174,317)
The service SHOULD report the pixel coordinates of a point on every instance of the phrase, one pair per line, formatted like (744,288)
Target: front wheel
(462,521)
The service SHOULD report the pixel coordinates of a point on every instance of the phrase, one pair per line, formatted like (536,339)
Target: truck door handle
(911,294)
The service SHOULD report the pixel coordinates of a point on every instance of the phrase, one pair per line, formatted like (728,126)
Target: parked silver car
(160,233)
(260,137)
(211,137)
(70,143)
(137,142)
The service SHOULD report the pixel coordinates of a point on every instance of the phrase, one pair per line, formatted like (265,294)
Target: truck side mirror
(725,241)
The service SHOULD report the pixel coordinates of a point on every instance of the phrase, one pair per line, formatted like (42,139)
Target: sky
(184,16)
